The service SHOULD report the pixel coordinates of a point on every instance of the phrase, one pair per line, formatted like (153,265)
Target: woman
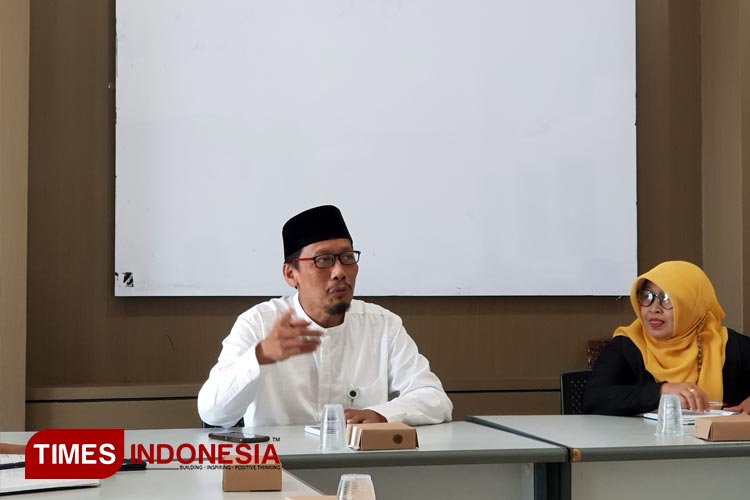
(676,345)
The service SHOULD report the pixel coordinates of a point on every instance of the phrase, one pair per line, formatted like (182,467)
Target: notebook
(14,480)
(313,429)
(688,417)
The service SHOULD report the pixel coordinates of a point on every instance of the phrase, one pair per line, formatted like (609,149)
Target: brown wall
(14,119)
(726,153)
(669,131)
(494,354)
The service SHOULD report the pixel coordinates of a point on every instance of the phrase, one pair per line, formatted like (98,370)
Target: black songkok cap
(313,225)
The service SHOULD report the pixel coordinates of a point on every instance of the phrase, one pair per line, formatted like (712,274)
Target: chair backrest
(572,385)
(595,347)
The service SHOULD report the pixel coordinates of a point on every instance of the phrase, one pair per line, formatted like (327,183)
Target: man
(286,358)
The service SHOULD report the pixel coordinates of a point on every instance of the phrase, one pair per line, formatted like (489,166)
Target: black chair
(241,423)
(572,385)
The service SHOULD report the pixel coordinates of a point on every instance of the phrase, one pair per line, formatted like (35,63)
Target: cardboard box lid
(382,436)
(728,428)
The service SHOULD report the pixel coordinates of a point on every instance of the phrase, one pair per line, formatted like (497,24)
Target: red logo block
(74,453)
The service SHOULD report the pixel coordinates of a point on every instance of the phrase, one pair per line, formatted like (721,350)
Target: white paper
(313,429)
(14,480)
(688,417)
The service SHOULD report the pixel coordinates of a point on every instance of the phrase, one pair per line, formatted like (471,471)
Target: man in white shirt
(286,358)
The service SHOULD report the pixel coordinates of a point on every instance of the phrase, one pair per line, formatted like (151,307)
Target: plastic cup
(669,421)
(355,487)
(333,428)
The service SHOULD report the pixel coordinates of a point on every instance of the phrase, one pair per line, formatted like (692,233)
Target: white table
(621,458)
(454,460)
(169,484)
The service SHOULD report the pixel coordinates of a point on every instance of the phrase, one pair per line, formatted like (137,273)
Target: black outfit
(620,384)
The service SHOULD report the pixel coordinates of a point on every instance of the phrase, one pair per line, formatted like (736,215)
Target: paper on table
(10,459)
(14,480)
(688,417)
(313,429)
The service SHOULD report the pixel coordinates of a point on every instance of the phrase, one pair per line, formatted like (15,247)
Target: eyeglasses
(328,260)
(646,298)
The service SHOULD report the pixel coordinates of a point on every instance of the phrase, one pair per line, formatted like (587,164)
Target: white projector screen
(475,147)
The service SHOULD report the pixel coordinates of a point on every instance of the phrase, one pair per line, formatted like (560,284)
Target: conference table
(453,460)
(167,484)
(622,458)
(519,457)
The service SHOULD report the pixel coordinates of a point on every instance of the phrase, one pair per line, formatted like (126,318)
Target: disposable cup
(355,487)
(332,428)
(669,421)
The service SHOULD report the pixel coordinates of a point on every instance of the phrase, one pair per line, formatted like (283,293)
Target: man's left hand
(363,416)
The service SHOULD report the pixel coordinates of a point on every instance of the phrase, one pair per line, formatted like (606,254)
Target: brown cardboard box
(385,436)
(729,428)
(252,476)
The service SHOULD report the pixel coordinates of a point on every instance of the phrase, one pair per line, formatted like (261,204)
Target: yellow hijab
(697,313)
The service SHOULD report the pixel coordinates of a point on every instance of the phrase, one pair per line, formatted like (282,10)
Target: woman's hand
(743,407)
(691,395)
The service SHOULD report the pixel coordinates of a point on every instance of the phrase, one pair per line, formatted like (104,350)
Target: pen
(12,465)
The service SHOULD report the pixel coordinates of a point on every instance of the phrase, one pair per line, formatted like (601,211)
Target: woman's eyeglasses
(646,298)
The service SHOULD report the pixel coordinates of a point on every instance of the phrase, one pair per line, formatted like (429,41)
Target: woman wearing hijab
(676,345)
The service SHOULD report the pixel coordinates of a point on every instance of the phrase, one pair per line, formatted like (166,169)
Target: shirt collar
(300,313)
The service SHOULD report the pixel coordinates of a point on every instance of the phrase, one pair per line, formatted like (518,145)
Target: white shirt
(369,353)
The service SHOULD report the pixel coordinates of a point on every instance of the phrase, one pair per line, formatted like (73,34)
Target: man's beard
(338,309)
